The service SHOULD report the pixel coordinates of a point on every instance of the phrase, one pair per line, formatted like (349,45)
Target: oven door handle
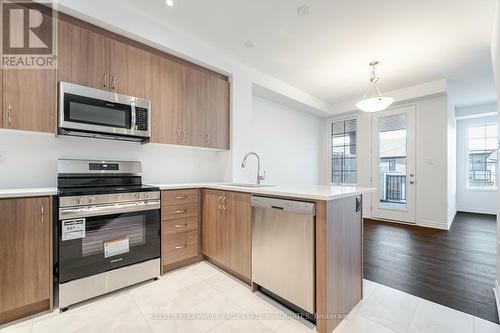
(72,213)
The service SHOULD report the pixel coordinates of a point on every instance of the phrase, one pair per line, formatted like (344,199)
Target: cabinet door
(29,99)
(237,232)
(211,225)
(130,70)
(83,56)
(217,113)
(166,100)
(25,249)
(194,107)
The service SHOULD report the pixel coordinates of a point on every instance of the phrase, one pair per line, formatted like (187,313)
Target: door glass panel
(392,132)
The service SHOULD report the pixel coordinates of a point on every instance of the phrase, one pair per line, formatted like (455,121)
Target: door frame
(408,215)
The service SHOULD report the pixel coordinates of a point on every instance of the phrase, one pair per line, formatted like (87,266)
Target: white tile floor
(222,304)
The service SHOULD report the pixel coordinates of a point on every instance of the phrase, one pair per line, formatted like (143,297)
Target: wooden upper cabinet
(166,100)
(29,99)
(130,70)
(194,113)
(83,56)
(26,250)
(218,111)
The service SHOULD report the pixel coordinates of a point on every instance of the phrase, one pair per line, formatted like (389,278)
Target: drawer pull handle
(181,211)
(181,197)
(183,246)
(181,225)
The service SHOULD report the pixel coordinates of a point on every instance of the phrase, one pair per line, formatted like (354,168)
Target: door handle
(181,211)
(358,204)
(183,246)
(218,202)
(9,114)
(113,83)
(181,225)
(42,214)
(181,197)
(105,80)
(224,203)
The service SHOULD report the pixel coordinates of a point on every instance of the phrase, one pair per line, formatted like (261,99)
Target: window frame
(330,150)
(468,187)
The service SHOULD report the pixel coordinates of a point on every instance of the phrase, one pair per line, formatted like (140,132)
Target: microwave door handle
(133,117)
(108,209)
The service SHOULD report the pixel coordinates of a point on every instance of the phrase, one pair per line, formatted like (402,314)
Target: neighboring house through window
(482,151)
(343,151)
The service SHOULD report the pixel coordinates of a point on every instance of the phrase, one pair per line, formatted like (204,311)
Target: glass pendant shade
(373,101)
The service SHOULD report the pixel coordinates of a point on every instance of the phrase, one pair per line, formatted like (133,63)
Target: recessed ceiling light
(303,10)
(250,44)
(169,3)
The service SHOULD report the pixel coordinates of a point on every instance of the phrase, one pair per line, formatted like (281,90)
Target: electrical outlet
(3,158)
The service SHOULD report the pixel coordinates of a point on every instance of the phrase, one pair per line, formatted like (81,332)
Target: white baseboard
(452,218)
(435,225)
(477,211)
(496,291)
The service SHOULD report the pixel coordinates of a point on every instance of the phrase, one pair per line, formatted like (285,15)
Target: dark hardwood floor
(455,268)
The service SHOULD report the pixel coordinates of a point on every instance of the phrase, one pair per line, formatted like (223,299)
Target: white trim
(434,225)
(476,210)
(451,218)
(477,115)
(496,291)
(330,143)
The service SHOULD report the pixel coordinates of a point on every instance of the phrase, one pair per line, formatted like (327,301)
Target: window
(482,161)
(343,151)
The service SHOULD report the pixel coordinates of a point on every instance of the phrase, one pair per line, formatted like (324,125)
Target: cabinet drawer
(180,246)
(179,225)
(170,198)
(180,211)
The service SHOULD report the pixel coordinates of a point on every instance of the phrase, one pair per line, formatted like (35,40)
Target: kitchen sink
(246,185)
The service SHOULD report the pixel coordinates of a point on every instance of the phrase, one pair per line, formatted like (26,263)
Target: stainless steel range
(107,232)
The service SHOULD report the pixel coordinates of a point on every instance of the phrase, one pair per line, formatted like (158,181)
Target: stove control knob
(147,196)
(138,196)
(92,200)
(79,200)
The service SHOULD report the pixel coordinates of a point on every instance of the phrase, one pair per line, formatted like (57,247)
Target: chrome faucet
(244,163)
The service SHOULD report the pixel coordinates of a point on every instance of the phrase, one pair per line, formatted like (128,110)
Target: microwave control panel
(141,119)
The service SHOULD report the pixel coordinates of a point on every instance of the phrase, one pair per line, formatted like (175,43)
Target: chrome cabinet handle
(42,213)
(207,138)
(9,114)
(181,225)
(183,246)
(181,211)
(181,197)
(218,202)
(105,81)
(113,83)
(224,203)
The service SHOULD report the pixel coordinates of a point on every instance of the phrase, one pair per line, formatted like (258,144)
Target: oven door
(97,239)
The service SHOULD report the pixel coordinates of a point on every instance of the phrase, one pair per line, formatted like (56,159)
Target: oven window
(131,229)
(96,112)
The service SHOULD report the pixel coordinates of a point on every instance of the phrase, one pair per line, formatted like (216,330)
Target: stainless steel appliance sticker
(116,246)
(73,229)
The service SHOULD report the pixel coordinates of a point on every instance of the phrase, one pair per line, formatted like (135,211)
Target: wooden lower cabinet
(226,230)
(26,257)
(180,228)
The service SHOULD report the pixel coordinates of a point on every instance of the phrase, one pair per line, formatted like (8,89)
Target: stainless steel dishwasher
(283,249)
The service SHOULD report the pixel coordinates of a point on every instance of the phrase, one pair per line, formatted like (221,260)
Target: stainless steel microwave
(89,112)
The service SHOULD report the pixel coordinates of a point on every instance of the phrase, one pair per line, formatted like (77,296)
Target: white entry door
(393,164)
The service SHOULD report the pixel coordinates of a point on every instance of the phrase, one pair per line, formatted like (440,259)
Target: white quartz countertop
(27,192)
(314,192)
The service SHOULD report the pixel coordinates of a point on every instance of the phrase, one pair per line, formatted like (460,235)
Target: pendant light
(373,100)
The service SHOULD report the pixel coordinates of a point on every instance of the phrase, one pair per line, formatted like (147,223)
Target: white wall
(434,205)
(468,199)
(30,159)
(495,53)
(288,142)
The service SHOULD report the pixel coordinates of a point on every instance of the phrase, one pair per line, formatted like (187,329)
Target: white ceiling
(326,53)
